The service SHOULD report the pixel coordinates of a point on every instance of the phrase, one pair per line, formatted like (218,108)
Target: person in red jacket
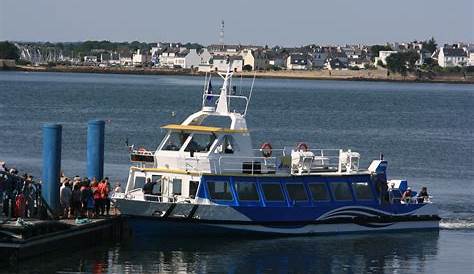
(103,192)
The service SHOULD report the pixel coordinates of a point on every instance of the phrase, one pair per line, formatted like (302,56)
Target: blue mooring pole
(51,164)
(95,149)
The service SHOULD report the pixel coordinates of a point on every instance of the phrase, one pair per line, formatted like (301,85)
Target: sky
(262,22)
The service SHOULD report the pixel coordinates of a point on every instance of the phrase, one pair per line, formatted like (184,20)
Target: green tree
(247,68)
(430,45)
(374,50)
(9,51)
(402,62)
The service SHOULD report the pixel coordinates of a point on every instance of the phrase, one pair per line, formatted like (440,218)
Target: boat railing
(247,165)
(284,160)
(210,97)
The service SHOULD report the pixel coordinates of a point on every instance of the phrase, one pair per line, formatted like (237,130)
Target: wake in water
(457,224)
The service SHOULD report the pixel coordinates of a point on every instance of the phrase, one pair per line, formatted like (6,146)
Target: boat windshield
(175,141)
(201,142)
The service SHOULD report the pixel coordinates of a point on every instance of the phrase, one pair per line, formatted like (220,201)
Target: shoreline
(377,75)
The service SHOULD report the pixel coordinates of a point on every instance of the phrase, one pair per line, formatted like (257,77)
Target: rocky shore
(379,74)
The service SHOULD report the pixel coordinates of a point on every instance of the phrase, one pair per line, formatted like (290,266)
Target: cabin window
(175,141)
(341,191)
(157,186)
(319,191)
(193,187)
(272,192)
(296,192)
(362,191)
(177,186)
(228,145)
(246,191)
(201,142)
(139,182)
(220,191)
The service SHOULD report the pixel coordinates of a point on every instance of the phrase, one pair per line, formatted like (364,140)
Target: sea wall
(379,74)
(7,64)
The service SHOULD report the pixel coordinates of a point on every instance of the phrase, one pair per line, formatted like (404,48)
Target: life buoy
(302,147)
(266,150)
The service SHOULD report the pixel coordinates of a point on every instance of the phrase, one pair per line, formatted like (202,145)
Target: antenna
(221,35)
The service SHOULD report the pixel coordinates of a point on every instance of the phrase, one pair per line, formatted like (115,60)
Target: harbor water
(424,130)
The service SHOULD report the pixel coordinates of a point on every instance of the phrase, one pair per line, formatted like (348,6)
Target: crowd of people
(81,197)
(20,196)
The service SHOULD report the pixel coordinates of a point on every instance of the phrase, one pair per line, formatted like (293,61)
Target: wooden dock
(19,240)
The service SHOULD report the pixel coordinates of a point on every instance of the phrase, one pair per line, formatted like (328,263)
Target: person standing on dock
(65,196)
(96,195)
(103,191)
(76,201)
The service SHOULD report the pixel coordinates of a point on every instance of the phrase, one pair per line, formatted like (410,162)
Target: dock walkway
(29,237)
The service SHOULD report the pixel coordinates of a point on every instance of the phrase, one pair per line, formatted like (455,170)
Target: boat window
(139,182)
(272,192)
(362,191)
(296,192)
(177,186)
(219,191)
(157,186)
(193,187)
(201,142)
(246,191)
(319,191)
(228,146)
(341,191)
(175,141)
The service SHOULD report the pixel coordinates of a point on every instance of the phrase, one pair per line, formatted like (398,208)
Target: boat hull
(159,227)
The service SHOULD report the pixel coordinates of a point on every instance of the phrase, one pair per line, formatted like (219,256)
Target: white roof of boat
(198,128)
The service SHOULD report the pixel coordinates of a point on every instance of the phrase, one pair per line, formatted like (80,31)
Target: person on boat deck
(382,188)
(423,195)
(406,197)
(392,194)
(148,187)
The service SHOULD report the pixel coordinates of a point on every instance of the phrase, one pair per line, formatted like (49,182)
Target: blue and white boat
(206,178)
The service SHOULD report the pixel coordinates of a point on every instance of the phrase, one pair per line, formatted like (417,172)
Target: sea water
(424,130)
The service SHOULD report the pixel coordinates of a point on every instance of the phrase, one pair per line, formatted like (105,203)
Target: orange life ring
(266,150)
(302,147)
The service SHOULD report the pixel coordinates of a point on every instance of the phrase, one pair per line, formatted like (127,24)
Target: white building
(187,59)
(126,61)
(254,58)
(383,54)
(220,63)
(90,59)
(451,57)
(205,56)
(298,61)
(140,58)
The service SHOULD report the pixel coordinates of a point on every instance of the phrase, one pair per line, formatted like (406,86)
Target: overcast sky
(289,23)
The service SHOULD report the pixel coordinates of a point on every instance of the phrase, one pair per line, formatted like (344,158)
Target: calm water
(424,130)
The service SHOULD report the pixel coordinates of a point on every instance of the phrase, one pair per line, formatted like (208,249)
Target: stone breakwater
(379,74)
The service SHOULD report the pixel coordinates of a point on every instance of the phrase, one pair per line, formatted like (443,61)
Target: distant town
(399,58)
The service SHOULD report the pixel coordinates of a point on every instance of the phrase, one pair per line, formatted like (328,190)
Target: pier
(32,237)
(30,221)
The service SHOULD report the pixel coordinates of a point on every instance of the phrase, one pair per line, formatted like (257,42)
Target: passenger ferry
(206,178)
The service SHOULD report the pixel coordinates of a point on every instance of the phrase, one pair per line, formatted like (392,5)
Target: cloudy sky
(289,23)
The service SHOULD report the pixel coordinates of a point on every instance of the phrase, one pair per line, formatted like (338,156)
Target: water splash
(457,224)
